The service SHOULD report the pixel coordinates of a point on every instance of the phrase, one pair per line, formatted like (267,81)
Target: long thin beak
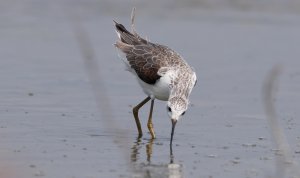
(174,121)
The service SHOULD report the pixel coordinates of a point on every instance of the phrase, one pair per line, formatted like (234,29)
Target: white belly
(160,90)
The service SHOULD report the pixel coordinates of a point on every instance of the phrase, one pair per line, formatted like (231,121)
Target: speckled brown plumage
(144,57)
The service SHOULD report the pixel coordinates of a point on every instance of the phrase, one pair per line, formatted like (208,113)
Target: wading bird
(161,72)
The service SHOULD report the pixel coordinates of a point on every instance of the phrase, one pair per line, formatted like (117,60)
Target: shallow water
(64,116)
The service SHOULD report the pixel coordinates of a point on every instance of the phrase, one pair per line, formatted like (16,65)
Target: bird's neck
(181,84)
(179,90)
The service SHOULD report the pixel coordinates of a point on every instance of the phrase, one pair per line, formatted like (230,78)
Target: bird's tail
(129,38)
(125,36)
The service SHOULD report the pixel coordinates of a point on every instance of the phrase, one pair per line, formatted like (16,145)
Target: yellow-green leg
(135,111)
(150,125)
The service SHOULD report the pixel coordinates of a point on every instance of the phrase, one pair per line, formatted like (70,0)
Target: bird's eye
(183,113)
(169,109)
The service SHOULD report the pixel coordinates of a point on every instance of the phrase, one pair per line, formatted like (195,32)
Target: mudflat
(67,114)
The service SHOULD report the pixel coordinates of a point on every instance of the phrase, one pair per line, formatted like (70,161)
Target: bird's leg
(135,111)
(150,125)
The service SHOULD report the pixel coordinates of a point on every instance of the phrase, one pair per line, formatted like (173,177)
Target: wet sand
(65,116)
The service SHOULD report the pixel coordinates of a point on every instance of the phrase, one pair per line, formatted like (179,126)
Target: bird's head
(176,108)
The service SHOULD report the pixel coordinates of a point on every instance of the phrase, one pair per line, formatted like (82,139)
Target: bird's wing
(145,59)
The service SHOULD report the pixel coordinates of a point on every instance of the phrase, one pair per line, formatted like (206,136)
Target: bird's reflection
(135,150)
(149,146)
(146,167)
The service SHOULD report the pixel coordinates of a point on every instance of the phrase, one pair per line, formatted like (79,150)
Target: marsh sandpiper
(161,72)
